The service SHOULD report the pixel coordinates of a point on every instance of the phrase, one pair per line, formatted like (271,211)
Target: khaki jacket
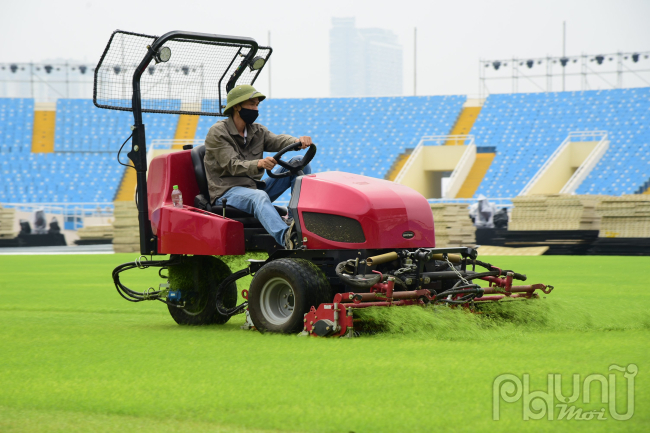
(228,162)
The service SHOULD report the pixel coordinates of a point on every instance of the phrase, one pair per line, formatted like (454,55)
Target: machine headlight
(164,54)
(257,63)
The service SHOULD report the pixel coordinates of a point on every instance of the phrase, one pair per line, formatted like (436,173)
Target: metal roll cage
(138,153)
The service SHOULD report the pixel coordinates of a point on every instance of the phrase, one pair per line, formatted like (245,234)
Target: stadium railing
(499,201)
(576,136)
(432,140)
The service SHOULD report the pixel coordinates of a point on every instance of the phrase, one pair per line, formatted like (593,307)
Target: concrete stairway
(463,126)
(464,123)
(476,175)
(44,127)
(399,162)
(126,191)
(186,129)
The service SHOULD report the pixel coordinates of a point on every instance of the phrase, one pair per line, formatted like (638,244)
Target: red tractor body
(390,215)
(188,230)
(387,214)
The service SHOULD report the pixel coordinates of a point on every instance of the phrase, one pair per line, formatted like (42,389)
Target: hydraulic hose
(469,291)
(222,309)
(451,275)
(132,295)
(516,276)
(469,275)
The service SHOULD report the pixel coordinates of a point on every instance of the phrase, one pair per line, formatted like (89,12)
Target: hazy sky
(452,35)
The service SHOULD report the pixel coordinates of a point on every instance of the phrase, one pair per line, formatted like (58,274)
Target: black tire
(198,277)
(301,281)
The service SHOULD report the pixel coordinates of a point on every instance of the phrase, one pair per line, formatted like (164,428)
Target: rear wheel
(197,277)
(283,291)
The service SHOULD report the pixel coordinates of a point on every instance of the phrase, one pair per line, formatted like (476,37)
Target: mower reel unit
(361,242)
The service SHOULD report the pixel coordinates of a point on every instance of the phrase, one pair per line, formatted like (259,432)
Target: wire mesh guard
(193,81)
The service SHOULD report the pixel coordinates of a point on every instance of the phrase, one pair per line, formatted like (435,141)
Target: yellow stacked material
(126,236)
(7,223)
(452,225)
(485,250)
(99,232)
(626,216)
(555,212)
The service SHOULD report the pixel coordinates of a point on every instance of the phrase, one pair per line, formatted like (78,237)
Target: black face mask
(248,115)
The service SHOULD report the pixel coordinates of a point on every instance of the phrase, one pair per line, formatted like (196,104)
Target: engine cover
(339,210)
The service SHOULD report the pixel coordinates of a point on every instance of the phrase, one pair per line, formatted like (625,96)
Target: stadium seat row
(527,128)
(358,135)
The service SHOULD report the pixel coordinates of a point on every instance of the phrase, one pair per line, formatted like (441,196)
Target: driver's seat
(202,200)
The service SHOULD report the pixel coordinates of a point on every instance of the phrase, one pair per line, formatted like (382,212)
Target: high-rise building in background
(364,62)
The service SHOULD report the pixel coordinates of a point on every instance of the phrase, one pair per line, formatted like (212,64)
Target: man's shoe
(289,235)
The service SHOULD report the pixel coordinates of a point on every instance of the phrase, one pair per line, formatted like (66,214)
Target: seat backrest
(167,170)
(198,155)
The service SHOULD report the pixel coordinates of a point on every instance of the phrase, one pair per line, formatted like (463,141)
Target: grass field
(77,357)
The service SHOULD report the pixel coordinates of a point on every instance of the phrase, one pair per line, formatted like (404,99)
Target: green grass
(75,356)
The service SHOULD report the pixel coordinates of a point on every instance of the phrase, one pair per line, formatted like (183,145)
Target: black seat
(202,201)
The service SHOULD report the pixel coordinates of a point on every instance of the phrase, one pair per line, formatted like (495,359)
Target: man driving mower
(234,163)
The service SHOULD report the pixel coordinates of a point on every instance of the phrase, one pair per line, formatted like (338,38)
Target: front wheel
(197,278)
(283,291)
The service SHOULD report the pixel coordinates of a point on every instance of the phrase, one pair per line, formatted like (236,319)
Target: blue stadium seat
(82,127)
(16,125)
(83,166)
(527,128)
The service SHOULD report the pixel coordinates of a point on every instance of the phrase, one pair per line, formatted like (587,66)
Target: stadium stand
(59,177)
(83,166)
(525,129)
(357,135)
(16,123)
(82,127)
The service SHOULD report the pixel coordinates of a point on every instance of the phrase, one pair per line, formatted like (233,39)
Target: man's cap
(241,94)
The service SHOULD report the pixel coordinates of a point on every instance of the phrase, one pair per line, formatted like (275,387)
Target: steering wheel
(295,168)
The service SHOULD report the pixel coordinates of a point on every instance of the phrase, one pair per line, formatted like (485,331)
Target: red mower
(362,242)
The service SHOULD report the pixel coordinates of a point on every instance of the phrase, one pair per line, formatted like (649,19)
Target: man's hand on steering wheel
(267,163)
(293,168)
(305,142)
